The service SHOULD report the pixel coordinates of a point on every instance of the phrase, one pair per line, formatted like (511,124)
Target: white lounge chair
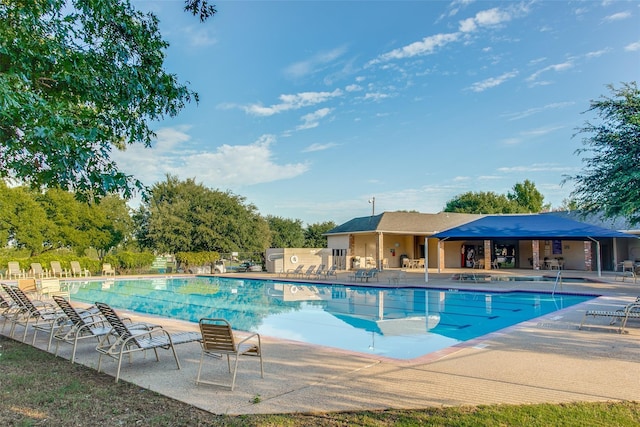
(14,271)
(108,270)
(37,271)
(630,311)
(77,271)
(122,340)
(57,271)
(295,272)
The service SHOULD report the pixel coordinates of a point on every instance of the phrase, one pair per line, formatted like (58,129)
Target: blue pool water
(397,323)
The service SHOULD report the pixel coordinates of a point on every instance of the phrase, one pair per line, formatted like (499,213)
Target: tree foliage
(610,180)
(285,233)
(313,234)
(200,8)
(78,79)
(42,222)
(527,197)
(481,202)
(182,216)
(524,198)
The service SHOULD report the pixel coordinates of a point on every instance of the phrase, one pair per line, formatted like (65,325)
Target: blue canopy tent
(531,227)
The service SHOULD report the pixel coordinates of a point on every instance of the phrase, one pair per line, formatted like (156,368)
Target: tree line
(177,216)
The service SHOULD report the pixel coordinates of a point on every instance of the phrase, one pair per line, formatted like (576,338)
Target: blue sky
(310,109)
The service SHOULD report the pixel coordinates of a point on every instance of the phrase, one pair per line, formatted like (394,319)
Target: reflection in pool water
(399,323)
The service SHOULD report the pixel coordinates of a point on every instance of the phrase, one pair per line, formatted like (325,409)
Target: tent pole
(426,259)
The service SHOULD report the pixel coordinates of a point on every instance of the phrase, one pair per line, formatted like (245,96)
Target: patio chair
(628,265)
(128,340)
(332,272)
(320,271)
(86,323)
(360,274)
(37,271)
(218,340)
(8,309)
(51,286)
(77,271)
(396,278)
(108,270)
(57,271)
(295,272)
(372,273)
(309,272)
(14,271)
(629,311)
(40,315)
(29,287)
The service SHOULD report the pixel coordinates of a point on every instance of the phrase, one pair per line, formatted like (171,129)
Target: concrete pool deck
(545,360)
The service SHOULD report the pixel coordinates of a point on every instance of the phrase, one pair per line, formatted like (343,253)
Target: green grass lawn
(39,389)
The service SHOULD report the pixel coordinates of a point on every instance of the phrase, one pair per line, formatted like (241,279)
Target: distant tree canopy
(79,78)
(41,222)
(285,233)
(313,235)
(182,216)
(525,198)
(610,180)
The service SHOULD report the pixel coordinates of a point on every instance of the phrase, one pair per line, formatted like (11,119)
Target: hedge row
(123,262)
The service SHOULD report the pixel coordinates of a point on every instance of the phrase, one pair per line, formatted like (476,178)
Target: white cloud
(632,47)
(292,102)
(617,17)
(302,68)
(353,88)
(424,47)
(319,147)
(199,36)
(485,18)
(541,131)
(493,82)
(555,67)
(227,167)
(537,167)
(311,120)
(531,111)
(428,45)
(596,53)
(377,96)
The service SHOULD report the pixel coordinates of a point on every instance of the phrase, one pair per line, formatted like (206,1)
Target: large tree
(183,216)
(480,202)
(610,180)
(79,78)
(44,221)
(313,235)
(527,197)
(524,198)
(285,233)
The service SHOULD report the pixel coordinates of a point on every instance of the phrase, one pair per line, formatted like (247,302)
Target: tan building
(450,240)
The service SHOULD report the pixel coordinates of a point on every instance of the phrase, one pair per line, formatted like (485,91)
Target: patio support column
(588,260)
(440,256)
(379,247)
(487,254)
(535,254)
(352,248)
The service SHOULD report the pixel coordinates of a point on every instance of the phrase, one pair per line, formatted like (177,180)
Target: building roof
(529,226)
(404,223)
(618,223)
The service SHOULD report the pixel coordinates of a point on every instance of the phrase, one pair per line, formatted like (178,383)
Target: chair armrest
(247,338)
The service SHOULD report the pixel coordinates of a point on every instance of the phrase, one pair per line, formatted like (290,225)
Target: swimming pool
(400,323)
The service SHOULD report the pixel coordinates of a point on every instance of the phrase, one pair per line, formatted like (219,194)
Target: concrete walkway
(543,360)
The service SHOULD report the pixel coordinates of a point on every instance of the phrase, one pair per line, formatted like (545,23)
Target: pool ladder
(558,280)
